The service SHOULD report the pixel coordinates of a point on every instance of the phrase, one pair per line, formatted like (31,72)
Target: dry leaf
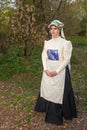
(20,128)
(83,129)
(78,121)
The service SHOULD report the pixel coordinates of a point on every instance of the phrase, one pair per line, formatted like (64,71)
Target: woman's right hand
(51,74)
(48,73)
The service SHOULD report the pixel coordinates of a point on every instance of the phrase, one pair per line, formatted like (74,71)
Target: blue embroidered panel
(52,54)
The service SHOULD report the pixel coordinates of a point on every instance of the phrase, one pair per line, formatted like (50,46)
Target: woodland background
(23,29)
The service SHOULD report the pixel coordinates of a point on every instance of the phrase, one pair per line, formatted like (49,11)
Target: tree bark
(86,30)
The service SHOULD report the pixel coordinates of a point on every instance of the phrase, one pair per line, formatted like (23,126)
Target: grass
(22,77)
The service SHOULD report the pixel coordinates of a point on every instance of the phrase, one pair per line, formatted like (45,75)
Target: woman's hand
(48,73)
(51,74)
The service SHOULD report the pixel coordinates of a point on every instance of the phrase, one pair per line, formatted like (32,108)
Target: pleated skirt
(56,112)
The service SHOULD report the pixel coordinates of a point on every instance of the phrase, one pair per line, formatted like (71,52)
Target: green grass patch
(15,62)
(78,41)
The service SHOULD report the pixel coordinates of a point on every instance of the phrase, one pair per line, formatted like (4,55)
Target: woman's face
(54,31)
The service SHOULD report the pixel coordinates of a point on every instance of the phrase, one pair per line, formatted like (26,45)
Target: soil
(12,118)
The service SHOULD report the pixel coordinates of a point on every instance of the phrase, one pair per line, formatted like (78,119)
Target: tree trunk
(86,30)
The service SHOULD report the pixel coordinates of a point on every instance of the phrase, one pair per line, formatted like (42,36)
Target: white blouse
(56,56)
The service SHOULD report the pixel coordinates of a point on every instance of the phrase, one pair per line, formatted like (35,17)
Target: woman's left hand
(53,73)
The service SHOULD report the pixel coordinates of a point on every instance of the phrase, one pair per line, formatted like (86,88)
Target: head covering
(58,24)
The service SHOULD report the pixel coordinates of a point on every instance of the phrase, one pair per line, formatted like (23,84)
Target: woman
(56,96)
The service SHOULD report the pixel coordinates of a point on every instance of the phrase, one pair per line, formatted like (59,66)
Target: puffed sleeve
(67,52)
(44,56)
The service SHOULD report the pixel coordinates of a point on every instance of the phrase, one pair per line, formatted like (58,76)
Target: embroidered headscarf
(58,24)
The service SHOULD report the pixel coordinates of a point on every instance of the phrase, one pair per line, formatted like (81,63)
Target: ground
(14,116)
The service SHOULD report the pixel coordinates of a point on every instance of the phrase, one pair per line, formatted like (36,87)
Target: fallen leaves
(20,116)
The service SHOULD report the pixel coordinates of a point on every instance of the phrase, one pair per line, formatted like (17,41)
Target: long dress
(56,96)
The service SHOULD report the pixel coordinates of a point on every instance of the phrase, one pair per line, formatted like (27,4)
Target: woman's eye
(53,28)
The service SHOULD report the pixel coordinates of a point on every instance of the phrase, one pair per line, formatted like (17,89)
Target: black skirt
(55,112)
